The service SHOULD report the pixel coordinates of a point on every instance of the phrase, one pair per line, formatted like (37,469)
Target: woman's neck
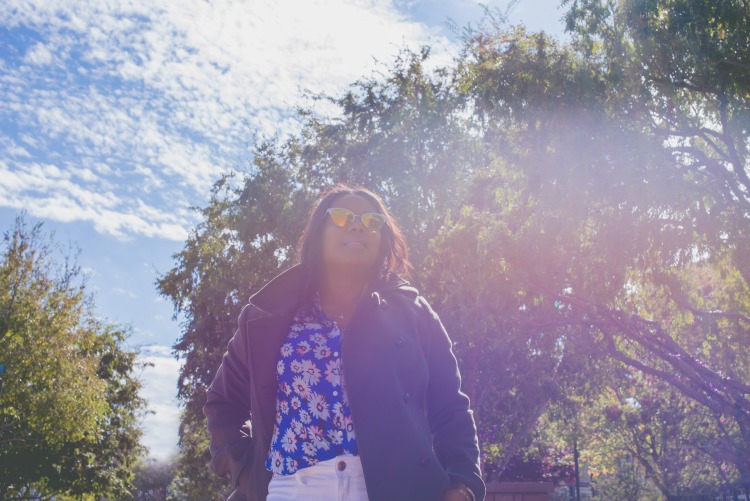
(340,293)
(342,288)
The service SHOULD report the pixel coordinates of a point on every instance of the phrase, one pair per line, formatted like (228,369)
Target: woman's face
(353,247)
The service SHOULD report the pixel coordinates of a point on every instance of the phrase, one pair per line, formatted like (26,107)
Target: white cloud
(122,292)
(126,98)
(51,192)
(160,428)
(39,55)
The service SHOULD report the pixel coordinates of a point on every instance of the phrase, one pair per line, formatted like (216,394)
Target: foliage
(686,66)
(152,480)
(69,406)
(544,464)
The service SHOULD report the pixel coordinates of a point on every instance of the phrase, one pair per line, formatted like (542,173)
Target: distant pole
(575,459)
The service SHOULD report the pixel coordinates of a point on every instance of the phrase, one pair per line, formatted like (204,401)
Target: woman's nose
(356,224)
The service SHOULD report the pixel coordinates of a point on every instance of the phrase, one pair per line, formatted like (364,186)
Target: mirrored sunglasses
(342,217)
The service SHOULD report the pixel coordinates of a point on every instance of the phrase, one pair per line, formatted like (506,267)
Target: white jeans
(337,479)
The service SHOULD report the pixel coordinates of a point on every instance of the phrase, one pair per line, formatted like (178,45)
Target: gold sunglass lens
(373,221)
(341,217)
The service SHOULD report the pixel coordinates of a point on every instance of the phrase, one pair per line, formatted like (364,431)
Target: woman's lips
(355,243)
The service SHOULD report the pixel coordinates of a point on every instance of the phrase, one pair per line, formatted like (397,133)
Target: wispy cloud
(124,113)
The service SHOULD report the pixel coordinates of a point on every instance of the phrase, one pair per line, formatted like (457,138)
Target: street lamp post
(575,459)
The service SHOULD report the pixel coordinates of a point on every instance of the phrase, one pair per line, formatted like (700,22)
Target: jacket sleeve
(227,411)
(451,420)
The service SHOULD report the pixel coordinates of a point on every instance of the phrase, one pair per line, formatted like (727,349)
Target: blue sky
(117,116)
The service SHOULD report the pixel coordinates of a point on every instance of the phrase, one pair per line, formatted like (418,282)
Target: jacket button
(400,342)
(228,475)
(341,466)
(407,397)
(425,461)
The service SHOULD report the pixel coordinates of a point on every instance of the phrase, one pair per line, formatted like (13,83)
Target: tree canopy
(69,406)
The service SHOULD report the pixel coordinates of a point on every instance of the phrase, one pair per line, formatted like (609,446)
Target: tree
(537,220)
(69,406)
(683,67)
(152,480)
(581,207)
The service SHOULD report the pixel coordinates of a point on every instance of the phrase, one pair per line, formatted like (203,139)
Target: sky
(116,117)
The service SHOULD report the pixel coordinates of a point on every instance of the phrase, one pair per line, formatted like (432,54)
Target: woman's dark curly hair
(393,257)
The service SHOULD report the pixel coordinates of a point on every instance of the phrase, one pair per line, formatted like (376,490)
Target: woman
(340,382)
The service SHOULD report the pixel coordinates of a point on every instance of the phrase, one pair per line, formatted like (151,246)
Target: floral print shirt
(313,419)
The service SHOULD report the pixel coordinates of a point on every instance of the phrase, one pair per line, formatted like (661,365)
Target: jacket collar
(284,293)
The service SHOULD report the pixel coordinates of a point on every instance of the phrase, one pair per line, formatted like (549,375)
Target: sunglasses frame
(351,217)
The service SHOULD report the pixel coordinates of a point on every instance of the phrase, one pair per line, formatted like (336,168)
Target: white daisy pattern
(313,419)
(295,402)
(318,407)
(304,416)
(276,462)
(291,465)
(286,351)
(310,372)
(289,441)
(333,372)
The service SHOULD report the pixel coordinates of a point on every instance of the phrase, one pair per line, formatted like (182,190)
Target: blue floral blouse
(313,419)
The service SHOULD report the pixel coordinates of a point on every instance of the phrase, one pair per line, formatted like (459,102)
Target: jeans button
(341,465)
(407,397)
